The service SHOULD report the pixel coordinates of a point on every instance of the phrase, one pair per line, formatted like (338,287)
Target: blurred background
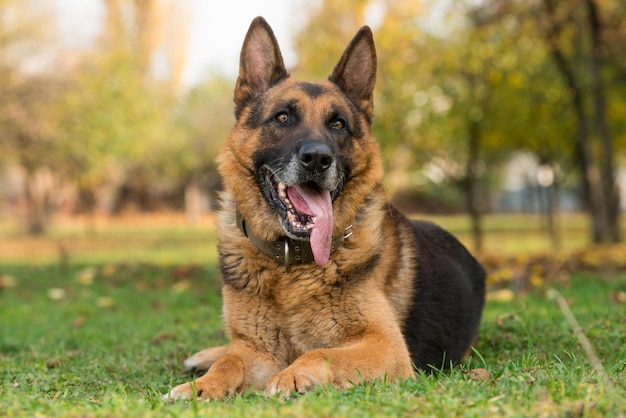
(504,120)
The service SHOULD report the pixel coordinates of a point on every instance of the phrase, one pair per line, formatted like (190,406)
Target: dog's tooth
(291,216)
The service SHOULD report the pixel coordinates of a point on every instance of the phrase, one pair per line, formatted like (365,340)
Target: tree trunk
(609,183)
(193,201)
(146,24)
(471,178)
(37,190)
(590,176)
(552,209)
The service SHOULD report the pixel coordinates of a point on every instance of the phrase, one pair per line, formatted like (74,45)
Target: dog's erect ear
(355,73)
(261,64)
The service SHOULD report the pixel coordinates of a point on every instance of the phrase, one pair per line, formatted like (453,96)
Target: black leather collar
(287,251)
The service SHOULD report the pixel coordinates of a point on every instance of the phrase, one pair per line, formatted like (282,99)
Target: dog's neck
(287,251)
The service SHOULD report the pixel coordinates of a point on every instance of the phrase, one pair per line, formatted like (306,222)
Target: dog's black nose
(315,156)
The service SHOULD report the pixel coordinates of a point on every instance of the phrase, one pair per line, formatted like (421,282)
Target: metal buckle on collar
(281,248)
(287,265)
(348,231)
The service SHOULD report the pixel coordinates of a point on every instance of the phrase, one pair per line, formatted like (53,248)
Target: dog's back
(449,294)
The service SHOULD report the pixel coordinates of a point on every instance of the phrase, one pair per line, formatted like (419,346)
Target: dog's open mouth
(307,212)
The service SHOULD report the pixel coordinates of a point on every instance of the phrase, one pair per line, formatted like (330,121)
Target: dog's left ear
(260,65)
(355,73)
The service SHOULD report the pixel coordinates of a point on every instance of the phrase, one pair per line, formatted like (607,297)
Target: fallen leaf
(618,296)
(54,363)
(105,302)
(479,374)
(181,286)
(536,280)
(7,281)
(181,273)
(506,320)
(56,293)
(86,276)
(501,295)
(109,270)
(164,336)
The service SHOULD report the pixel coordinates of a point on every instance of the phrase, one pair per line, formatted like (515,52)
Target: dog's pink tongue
(317,203)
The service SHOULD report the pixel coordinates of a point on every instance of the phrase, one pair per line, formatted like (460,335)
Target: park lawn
(169,239)
(108,340)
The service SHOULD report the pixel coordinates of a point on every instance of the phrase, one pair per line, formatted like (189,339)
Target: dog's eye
(282,117)
(338,124)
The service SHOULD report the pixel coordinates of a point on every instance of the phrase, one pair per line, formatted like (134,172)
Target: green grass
(165,241)
(109,340)
(519,233)
(170,240)
(95,320)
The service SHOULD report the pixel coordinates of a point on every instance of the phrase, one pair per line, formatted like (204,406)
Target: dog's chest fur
(309,308)
(299,317)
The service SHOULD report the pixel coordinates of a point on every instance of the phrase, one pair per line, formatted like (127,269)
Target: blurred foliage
(111,118)
(205,117)
(105,125)
(462,87)
(444,65)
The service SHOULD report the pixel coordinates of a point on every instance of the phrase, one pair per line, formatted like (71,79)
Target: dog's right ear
(260,65)
(355,73)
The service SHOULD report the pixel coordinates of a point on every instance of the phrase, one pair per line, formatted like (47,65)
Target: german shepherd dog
(324,282)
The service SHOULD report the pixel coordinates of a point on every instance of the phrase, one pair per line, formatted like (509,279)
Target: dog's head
(301,158)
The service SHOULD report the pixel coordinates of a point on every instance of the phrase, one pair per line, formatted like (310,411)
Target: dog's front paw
(199,388)
(290,381)
(184,391)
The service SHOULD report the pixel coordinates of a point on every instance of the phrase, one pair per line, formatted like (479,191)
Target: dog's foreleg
(240,369)
(374,356)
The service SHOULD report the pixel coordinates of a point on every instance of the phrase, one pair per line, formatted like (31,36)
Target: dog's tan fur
(336,323)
